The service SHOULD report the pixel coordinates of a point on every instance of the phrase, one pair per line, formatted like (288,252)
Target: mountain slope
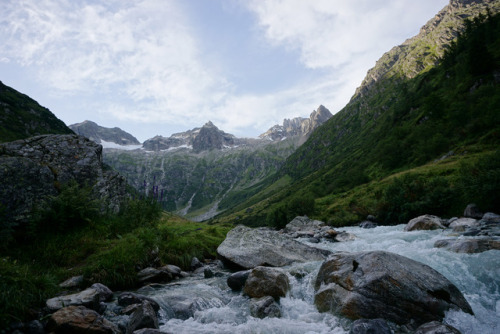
(400,123)
(98,134)
(22,117)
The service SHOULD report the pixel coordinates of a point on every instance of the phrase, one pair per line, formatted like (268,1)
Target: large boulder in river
(248,248)
(265,281)
(79,319)
(303,223)
(380,284)
(425,222)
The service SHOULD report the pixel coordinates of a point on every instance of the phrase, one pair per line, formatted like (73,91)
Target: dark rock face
(370,326)
(248,248)
(425,222)
(98,133)
(34,169)
(265,281)
(78,319)
(210,137)
(264,307)
(385,285)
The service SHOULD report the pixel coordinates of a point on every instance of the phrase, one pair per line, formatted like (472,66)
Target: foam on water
(477,276)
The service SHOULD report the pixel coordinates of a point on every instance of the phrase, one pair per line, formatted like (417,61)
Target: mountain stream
(214,308)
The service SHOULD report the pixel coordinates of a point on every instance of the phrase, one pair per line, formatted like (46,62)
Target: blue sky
(156,67)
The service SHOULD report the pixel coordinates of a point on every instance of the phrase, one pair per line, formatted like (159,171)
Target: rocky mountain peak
(100,134)
(298,126)
(210,137)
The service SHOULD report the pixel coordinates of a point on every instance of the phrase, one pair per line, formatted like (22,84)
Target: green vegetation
(71,239)
(395,151)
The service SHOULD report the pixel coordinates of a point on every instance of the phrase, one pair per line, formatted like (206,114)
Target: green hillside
(22,117)
(435,127)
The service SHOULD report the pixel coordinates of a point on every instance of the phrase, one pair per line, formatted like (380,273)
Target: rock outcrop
(98,133)
(384,285)
(210,138)
(33,169)
(248,248)
(298,126)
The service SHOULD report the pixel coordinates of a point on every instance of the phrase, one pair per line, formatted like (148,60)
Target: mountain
(102,135)
(298,126)
(22,117)
(413,137)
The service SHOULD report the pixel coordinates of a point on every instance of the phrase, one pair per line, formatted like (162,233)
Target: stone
(148,331)
(472,211)
(371,218)
(344,236)
(370,326)
(378,284)
(105,293)
(79,319)
(89,298)
(195,263)
(463,222)
(34,327)
(144,316)
(173,270)
(265,281)
(153,275)
(237,280)
(129,298)
(303,223)
(264,307)
(72,282)
(468,245)
(436,327)
(367,224)
(208,273)
(248,248)
(491,217)
(425,222)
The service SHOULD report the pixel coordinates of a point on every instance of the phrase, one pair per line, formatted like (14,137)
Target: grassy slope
(22,117)
(400,126)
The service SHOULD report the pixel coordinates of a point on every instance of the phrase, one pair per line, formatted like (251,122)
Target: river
(216,309)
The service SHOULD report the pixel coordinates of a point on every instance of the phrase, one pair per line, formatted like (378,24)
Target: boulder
(72,282)
(153,275)
(264,307)
(370,326)
(303,223)
(195,263)
(89,298)
(464,222)
(435,327)
(105,293)
(143,317)
(208,273)
(425,222)
(344,236)
(248,248)
(79,319)
(367,224)
(173,270)
(468,245)
(148,331)
(380,284)
(265,281)
(129,298)
(237,280)
(472,211)
(491,217)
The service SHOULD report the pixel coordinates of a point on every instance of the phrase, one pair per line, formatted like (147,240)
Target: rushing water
(214,308)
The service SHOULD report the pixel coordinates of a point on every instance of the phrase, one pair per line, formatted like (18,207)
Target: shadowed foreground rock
(385,285)
(248,248)
(78,319)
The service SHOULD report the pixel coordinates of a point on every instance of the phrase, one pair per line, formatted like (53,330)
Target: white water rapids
(220,310)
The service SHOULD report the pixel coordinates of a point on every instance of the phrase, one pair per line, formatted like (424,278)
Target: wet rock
(460,222)
(183,307)
(105,293)
(344,236)
(195,263)
(472,211)
(173,270)
(436,327)
(143,317)
(129,298)
(303,223)
(370,326)
(265,281)
(148,331)
(264,307)
(247,248)
(468,245)
(313,240)
(367,224)
(34,327)
(89,298)
(380,284)
(208,273)
(237,280)
(425,222)
(491,217)
(72,282)
(79,319)
(153,275)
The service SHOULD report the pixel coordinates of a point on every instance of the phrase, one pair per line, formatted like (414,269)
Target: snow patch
(110,144)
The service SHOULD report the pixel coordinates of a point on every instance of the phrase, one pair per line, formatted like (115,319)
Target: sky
(158,67)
